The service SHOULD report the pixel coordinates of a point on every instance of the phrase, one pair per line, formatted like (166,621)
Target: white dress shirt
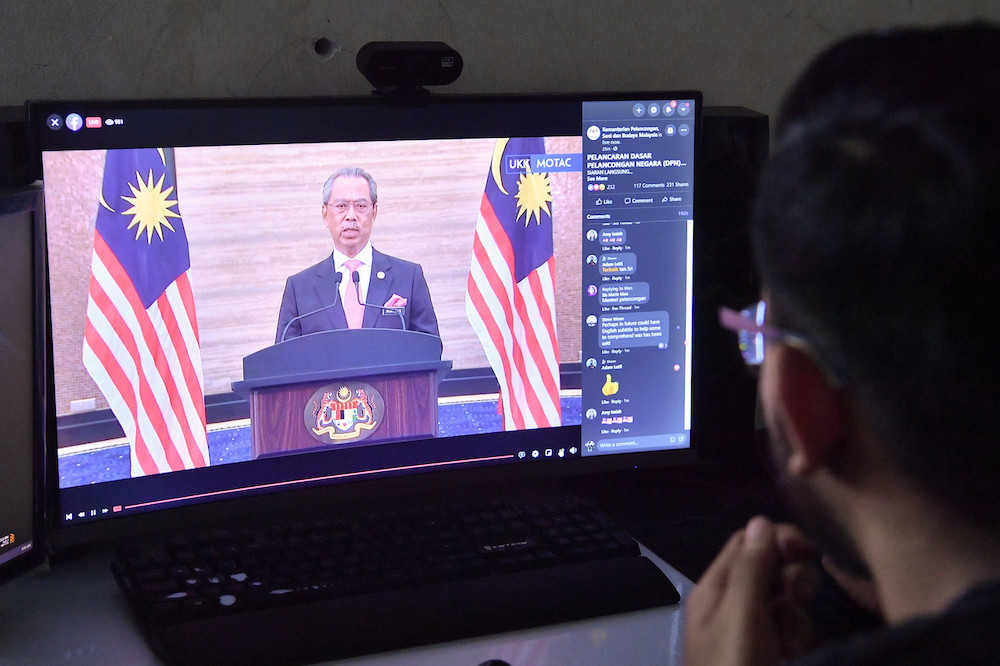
(364,271)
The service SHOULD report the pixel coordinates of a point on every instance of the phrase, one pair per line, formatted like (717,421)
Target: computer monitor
(21,450)
(532,254)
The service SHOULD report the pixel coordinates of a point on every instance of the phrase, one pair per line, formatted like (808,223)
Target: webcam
(408,65)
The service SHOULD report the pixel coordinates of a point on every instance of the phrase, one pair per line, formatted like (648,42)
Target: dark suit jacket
(314,288)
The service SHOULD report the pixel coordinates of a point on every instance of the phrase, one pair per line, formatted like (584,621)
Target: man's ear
(813,410)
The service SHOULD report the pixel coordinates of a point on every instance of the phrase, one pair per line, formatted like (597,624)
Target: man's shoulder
(394,262)
(966,633)
(323,266)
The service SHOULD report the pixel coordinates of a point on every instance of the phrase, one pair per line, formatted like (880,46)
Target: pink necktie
(352,307)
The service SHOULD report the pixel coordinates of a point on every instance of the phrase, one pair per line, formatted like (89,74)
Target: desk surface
(73,613)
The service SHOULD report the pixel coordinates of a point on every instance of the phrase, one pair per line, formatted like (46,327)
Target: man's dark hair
(877,233)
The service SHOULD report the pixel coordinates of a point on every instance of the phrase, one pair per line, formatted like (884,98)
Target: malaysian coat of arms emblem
(350,412)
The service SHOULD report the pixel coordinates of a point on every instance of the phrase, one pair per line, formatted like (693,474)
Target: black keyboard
(329,589)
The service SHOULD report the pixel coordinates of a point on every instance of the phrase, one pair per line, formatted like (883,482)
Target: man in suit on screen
(356,286)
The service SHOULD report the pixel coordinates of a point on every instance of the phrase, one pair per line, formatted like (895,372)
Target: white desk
(73,613)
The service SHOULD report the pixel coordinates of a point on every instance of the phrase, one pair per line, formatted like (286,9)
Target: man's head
(877,233)
(350,204)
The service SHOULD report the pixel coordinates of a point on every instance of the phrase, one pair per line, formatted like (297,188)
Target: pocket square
(395,301)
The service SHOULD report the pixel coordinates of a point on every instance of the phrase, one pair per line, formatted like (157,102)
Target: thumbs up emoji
(610,387)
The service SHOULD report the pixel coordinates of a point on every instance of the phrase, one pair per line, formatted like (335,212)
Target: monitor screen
(256,296)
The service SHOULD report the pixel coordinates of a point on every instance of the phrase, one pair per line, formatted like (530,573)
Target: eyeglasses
(360,206)
(751,332)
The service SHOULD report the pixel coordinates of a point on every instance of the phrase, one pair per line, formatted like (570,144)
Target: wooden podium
(287,381)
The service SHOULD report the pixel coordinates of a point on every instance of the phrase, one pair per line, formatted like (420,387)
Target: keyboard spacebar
(389,620)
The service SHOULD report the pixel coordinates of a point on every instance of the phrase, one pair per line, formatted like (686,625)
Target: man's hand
(748,608)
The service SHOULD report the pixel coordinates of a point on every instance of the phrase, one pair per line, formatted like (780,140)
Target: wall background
(738,52)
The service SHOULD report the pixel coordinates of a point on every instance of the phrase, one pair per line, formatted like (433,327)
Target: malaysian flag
(141,335)
(510,298)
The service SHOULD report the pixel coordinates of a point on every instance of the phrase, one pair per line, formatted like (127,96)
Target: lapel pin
(380,275)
